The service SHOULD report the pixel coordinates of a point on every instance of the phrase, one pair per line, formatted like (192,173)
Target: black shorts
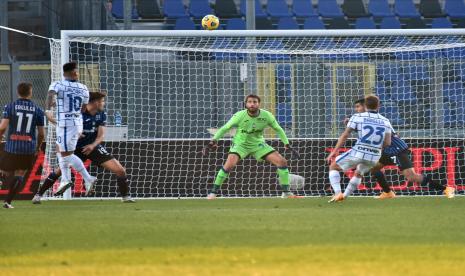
(10,162)
(402,160)
(98,156)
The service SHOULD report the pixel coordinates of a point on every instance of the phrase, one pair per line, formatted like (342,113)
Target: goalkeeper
(249,140)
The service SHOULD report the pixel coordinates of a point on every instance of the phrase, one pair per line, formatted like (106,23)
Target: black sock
(382,181)
(51,179)
(15,183)
(435,185)
(123,185)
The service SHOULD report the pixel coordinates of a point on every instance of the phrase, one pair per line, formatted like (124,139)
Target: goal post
(173,89)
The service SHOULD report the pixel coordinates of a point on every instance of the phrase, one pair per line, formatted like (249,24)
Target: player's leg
(381,179)
(115,167)
(280,162)
(14,181)
(233,158)
(342,163)
(48,183)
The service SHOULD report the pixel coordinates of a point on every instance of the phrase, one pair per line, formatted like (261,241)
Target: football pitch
(362,236)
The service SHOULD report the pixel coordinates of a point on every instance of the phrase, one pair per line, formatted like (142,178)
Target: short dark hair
(70,66)
(372,102)
(95,96)
(24,89)
(253,97)
(360,101)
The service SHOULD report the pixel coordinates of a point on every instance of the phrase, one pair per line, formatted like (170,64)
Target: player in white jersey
(374,133)
(71,98)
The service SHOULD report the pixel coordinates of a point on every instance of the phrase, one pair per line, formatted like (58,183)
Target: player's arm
(3,127)
(40,137)
(351,126)
(85,100)
(100,136)
(280,131)
(50,103)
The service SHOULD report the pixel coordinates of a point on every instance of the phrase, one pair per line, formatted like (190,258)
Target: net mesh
(173,93)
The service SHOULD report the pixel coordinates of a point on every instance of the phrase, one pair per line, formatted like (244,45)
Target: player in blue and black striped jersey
(21,118)
(89,146)
(398,153)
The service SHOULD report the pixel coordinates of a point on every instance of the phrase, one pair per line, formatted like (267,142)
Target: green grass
(362,236)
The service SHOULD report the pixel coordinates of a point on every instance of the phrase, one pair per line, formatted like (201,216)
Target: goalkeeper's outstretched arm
(230,124)
(280,131)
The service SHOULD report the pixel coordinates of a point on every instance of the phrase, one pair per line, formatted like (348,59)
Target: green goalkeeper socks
(283,174)
(220,178)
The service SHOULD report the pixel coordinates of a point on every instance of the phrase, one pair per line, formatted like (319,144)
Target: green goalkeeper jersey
(250,129)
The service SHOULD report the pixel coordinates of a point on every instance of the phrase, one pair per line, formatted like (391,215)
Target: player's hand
(212,145)
(295,154)
(346,121)
(330,157)
(88,149)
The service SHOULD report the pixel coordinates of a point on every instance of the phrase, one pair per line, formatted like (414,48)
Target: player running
(89,147)
(374,133)
(249,140)
(398,153)
(21,117)
(71,98)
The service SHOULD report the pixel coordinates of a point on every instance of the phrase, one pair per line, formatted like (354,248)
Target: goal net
(169,91)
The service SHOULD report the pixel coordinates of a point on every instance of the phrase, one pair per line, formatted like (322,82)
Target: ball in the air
(210,22)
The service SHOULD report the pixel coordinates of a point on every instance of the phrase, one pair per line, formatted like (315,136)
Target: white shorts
(67,137)
(348,161)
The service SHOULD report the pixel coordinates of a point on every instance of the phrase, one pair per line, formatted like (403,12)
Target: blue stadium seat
(390,23)
(390,110)
(379,8)
(283,72)
(381,91)
(184,23)
(352,43)
(406,9)
(365,23)
(401,91)
(284,114)
(329,8)
(236,24)
(389,72)
(225,43)
(174,9)
(287,23)
(416,72)
(402,41)
(117,10)
(441,22)
(278,8)
(313,23)
(455,8)
(453,91)
(258,9)
(199,8)
(326,44)
(274,44)
(303,8)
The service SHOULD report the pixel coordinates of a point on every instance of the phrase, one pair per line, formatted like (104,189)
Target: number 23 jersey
(70,96)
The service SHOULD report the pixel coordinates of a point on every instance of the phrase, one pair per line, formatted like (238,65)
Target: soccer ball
(210,22)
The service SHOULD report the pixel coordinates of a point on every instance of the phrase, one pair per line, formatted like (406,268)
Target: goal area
(169,92)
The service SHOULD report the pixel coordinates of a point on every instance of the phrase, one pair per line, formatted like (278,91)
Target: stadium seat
(278,8)
(339,23)
(174,9)
(117,10)
(284,72)
(225,43)
(326,44)
(149,9)
(379,8)
(381,91)
(416,72)
(284,114)
(258,9)
(405,9)
(401,91)
(303,8)
(390,110)
(313,23)
(431,8)
(236,24)
(226,9)
(455,9)
(390,23)
(353,43)
(287,23)
(402,41)
(354,8)
(184,23)
(274,44)
(330,9)
(441,22)
(199,8)
(415,23)
(389,72)
(453,91)
(263,24)
(365,23)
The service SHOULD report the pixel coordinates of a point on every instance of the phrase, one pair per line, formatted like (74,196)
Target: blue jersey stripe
(397,146)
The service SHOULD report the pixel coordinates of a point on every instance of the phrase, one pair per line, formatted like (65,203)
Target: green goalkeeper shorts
(259,152)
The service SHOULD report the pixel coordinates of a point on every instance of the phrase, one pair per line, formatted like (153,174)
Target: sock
(65,169)
(15,185)
(123,185)
(77,164)
(353,184)
(382,181)
(283,175)
(51,179)
(221,176)
(428,180)
(335,180)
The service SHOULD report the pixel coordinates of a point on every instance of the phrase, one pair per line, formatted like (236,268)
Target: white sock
(77,164)
(335,180)
(65,169)
(353,184)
